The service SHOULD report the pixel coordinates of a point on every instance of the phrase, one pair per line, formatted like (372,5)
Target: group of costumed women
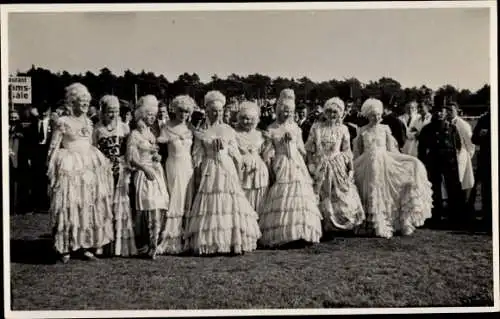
(224,190)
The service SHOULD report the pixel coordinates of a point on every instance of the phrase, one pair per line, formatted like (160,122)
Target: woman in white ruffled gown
(110,138)
(254,174)
(290,213)
(81,182)
(330,163)
(394,189)
(221,220)
(151,195)
(179,171)
(422,119)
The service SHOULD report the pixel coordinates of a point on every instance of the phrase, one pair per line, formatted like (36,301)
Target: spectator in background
(305,122)
(41,134)
(482,138)
(467,151)
(410,116)
(354,116)
(93,114)
(25,154)
(438,145)
(351,127)
(126,115)
(397,127)
(424,117)
(14,136)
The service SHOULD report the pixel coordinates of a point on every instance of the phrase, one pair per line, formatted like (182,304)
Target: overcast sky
(414,46)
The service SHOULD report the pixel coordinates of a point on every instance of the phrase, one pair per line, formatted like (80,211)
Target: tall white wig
(109,101)
(147,103)
(335,103)
(76,92)
(214,96)
(249,108)
(184,102)
(287,94)
(288,102)
(371,106)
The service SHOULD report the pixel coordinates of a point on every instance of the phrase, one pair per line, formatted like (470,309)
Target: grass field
(430,268)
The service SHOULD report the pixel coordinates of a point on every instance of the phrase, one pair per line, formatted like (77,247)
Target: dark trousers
(12,187)
(24,185)
(486,195)
(438,171)
(40,179)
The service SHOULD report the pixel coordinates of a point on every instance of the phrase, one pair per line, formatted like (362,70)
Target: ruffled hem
(222,242)
(277,236)
(71,239)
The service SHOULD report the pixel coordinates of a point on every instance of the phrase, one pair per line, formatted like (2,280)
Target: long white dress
(329,149)
(394,188)
(291,210)
(254,175)
(221,219)
(411,144)
(179,173)
(80,189)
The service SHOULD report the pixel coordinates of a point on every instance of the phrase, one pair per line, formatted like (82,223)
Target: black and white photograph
(249,158)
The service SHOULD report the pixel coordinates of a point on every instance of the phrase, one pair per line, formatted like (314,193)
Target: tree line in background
(48,88)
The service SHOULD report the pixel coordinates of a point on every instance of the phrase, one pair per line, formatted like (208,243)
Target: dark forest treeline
(48,87)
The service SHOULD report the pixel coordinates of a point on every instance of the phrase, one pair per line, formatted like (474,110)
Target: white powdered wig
(249,108)
(335,103)
(371,106)
(287,94)
(109,101)
(76,92)
(147,103)
(184,102)
(214,96)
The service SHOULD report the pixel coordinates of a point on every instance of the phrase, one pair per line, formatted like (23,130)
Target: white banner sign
(20,87)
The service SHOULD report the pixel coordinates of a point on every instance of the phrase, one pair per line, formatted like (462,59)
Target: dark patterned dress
(112,143)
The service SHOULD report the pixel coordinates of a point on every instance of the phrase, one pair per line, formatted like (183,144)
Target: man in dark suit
(481,137)
(266,117)
(157,127)
(40,137)
(24,158)
(303,121)
(438,144)
(397,127)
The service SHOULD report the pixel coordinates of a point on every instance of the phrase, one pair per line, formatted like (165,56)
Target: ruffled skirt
(255,182)
(221,219)
(151,203)
(123,226)
(81,199)
(395,192)
(339,201)
(290,212)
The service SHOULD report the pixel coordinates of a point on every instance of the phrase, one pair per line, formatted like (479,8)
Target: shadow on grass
(32,251)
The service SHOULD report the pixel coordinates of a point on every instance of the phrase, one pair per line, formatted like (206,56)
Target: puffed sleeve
(55,143)
(391,142)
(198,151)
(345,145)
(163,138)
(310,144)
(268,151)
(232,144)
(358,147)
